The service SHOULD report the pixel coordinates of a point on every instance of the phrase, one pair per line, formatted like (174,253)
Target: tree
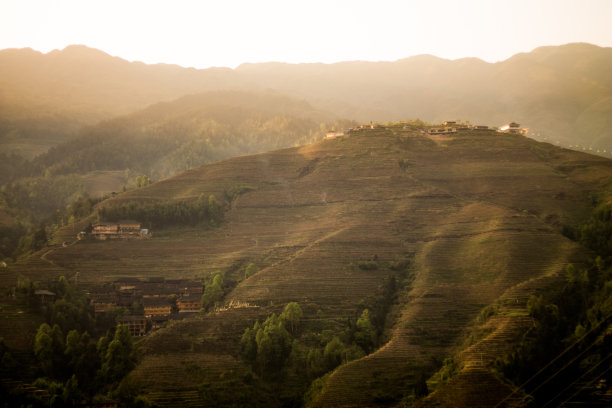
(273,344)
(119,358)
(248,345)
(71,394)
(250,270)
(213,291)
(334,353)
(43,348)
(365,333)
(420,386)
(74,347)
(214,210)
(292,315)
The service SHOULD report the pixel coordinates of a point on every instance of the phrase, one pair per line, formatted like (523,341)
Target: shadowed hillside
(475,216)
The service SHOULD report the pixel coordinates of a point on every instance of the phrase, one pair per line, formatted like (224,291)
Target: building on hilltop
(511,127)
(332,135)
(480,127)
(443,130)
(450,122)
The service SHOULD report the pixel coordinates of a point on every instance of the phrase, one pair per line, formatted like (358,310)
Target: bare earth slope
(478,213)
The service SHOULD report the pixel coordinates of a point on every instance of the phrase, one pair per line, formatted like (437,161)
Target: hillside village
(149,302)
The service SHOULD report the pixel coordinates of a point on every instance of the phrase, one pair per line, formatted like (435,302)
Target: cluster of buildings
(121,229)
(151,301)
(117,230)
(334,134)
(449,127)
(453,127)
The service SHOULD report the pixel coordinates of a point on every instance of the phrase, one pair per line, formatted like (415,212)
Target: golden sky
(227,33)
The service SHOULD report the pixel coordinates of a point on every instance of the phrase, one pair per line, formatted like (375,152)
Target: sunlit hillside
(443,239)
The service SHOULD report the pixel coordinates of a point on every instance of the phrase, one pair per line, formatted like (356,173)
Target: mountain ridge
(561,91)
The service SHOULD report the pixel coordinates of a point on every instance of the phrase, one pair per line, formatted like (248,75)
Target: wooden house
(189,303)
(45,296)
(156,307)
(137,325)
(193,288)
(480,127)
(129,229)
(122,229)
(450,122)
(102,304)
(105,231)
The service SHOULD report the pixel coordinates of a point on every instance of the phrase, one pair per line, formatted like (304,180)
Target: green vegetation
(69,363)
(213,291)
(250,270)
(282,347)
(27,235)
(282,350)
(576,311)
(164,214)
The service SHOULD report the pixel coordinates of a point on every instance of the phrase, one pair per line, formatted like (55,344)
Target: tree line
(568,318)
(206,209)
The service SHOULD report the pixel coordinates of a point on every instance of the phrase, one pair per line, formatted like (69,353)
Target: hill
(461,224)
(169,137)
(46,98)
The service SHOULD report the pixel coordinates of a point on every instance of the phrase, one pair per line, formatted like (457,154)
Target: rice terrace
(322,204)
(413,260)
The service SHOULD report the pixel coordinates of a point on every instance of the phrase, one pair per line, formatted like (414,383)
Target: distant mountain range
(563,93)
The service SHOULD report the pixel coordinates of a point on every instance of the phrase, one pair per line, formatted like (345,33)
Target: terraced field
(479,215)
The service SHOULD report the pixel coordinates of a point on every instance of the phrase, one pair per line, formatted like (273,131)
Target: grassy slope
(480,213)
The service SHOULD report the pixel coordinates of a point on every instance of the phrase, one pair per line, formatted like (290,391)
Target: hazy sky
(226,33)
